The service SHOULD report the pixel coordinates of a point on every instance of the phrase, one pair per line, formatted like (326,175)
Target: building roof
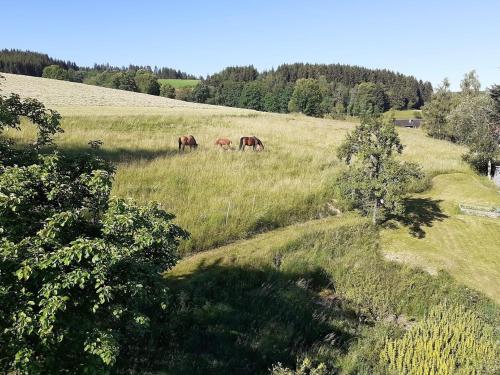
(410,123)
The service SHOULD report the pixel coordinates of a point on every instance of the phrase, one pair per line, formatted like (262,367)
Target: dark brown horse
(187,140)
(253,141)
(223,143)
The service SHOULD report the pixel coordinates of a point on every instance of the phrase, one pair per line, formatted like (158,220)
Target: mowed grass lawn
(468,247)
(179,83)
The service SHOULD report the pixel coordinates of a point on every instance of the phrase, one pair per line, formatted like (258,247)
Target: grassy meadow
(223,196)
(179,83)
(220,196)
(273,271)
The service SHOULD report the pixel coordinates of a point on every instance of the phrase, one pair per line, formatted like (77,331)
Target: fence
(467,209)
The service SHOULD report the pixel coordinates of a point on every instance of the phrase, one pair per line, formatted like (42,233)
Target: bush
(184,93)
(55,72)
(124,81)
(167,90)
(450,340)
(200,93)
(479,160)
(147,83)
(80,273)
(304,368)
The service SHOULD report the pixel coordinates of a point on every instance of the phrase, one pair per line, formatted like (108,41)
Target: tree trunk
(374,217)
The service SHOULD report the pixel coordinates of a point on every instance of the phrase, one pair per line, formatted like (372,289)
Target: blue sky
(428,39)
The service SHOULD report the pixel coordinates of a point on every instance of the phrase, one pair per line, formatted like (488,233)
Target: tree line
(314,89)
(132,78)
(336,90)
(29,63)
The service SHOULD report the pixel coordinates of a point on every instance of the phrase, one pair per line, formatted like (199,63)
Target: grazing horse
(187,140)
(251,141)
(223,143)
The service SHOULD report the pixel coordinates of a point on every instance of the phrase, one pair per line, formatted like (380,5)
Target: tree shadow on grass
(420,213)
(227,319)
(122,155)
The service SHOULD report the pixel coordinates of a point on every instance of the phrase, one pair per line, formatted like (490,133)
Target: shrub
(124,81)
(450,340)
(200,93)
(304,368)
(55,72)
(147,83)
(80,273)
(167,90)
(183,93)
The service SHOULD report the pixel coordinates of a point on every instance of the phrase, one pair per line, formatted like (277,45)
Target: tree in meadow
(375,182)
(472,123)
(436,111)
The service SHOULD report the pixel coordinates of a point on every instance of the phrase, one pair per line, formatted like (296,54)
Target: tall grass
(220,196)
(320,289)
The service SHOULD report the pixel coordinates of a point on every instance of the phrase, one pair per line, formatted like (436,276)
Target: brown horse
(253,141)
(187,140)
(223,143)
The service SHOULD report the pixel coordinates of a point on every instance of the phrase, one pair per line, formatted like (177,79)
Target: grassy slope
(180,83)
(406,114)
(63,94)
(287,183)
(465,246)
(290,291)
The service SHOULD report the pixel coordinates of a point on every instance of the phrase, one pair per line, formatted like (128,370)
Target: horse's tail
(241,142)
(180,143)
(259,142)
